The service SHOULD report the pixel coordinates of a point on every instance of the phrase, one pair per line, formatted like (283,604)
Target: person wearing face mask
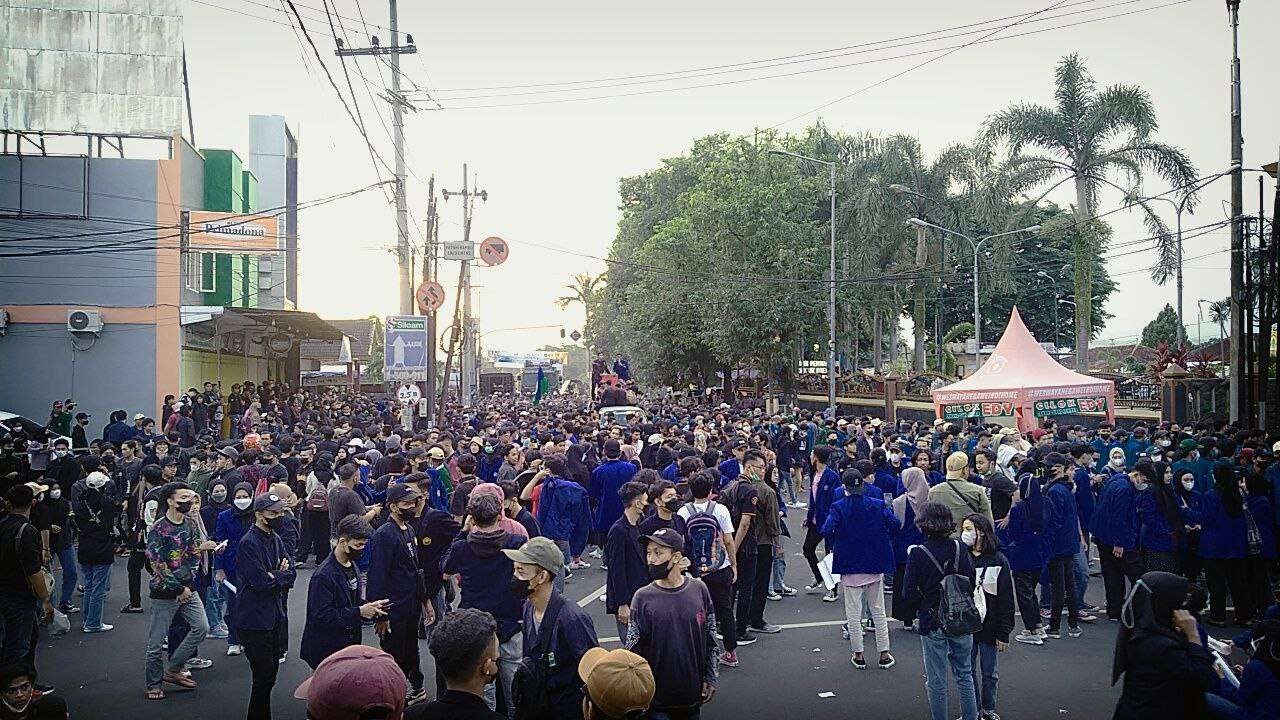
(264,576)
(556,633)
(1115,532)
(624,559)
(1258,695)
(512,508)
(993,575)
(95,511)
(664,504)
(215,600)
(56,516)
(1163,518)
(335,614)
(1224,546)
(485,575)
(1191,460)
(19,699)
(606,480)
(395,575)
(1063,538)
(232,524)
(465,647)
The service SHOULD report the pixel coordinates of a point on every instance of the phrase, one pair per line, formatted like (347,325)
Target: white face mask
(1117,462)
(1188,485)
(242,503)
(55,493)
(969,537)
(96,483)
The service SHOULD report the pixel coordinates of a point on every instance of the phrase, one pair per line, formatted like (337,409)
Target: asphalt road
(102,675)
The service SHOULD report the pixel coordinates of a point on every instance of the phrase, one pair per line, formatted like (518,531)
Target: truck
(497,382)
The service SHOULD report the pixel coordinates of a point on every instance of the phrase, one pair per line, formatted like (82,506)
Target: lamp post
(942,250)
(831,283)
(977,246)
(1054,283)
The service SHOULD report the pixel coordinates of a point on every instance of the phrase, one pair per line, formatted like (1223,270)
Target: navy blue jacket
(1062,523)
(820,502)
(570,638)
(1221,536)
(1154,532)
(909,535)
(729,471)
(232,525)
(486,579)
(1022,539)
(262,585)
(290,532)
(860,529)
(436,530)
(1103,449)
(1133,447)
(609,477)
(1084,496)
(1260,508)
(525,518)
(564,513)
(333,613)
(1115,517)
(393,571)
(626,561)
(888,480)
(671,472)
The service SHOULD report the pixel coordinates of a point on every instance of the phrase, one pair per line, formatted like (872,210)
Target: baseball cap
(539,551)
(139,416)
(400,491)
(619,682)
(351,683)
(666,537)
(436,452)
(1190,444)
(37,488)
(268,501)
(229,453)
(938,422)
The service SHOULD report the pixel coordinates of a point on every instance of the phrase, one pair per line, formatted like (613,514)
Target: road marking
(792,626)
(592,597)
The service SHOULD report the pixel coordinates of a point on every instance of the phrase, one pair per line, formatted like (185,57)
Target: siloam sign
(960,411)
(406,348)
(1069,406)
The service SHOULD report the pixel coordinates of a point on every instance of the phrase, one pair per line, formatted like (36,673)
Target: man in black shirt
(22,579)
(465,646)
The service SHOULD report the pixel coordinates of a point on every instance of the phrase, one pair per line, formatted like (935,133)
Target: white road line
(592,597)
(792,626)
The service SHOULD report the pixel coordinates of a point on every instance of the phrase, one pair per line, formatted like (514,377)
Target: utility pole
(467,364)
(404,252)
(429,264)
(1237,384)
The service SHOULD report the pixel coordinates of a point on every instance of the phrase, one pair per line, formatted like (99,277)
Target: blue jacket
(1133,447)
(909,535)
(1154,532)
(1104,453)
(888,480)
(1258,695)
(393,570)
(671,472)
(486,578)
(564,513)
(1084,495)
(1260,508)
(860,529)
(290,532)
(118,432)
(436,494)
(487,466)
(333,613)
(1201,467)
(1221,536)
(1273,479)
(609,477)
(262,585)
(1062,529)
(1022,544)
(820,502)
(570,637)
(231,527)
(1114,520)
(627,571)
(729,471)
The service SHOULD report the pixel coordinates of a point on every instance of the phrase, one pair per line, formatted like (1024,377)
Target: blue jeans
(67,559)
(97,583)
(1220,708)
(985,677)
(941,654)
(215,604)
(777,582)
(558,582)
(1082,574)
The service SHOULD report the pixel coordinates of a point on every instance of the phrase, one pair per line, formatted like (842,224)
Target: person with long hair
(1224,546)
(907,507)
(996,581)
(1257,578)
(1258,696)
(1162,517)
(1020,534)
(1189,503)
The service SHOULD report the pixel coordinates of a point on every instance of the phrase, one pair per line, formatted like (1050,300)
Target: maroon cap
(352,681)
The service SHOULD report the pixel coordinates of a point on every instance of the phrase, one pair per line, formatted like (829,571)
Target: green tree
(1089,136)
(583,289)
(373,371)
(1164,328)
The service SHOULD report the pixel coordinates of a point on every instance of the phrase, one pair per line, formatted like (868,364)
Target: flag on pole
(543,387)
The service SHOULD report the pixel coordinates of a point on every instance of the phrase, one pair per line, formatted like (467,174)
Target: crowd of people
(969,535)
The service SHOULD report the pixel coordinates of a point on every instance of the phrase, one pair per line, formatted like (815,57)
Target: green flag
(543,387)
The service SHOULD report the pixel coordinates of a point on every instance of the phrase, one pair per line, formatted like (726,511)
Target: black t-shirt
(651,523)
(21,553)
(353,579)
(742,500)
(453,705)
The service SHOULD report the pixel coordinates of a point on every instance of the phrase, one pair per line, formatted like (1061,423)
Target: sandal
(177,679)
(155,694)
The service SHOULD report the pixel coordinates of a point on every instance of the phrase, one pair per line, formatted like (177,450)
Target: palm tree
(583,290)
(1220,312)
(1088,136)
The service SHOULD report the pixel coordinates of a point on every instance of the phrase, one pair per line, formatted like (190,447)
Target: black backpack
(957,613)
(529,691)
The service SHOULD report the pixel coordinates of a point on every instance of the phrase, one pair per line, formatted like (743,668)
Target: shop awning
(296,323)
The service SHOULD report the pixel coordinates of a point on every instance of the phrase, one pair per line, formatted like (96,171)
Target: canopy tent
(1021,381)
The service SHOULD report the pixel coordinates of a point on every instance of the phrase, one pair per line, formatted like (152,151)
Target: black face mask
(520,588)
(657,572)
(275,523)
(674,505)
(354,554)
(184,507)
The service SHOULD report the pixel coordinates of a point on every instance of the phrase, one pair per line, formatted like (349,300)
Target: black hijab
(1147,612)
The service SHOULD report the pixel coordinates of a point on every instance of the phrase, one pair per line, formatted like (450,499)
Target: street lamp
(1054,282)
(831,284)
(1179,206)
(977,246)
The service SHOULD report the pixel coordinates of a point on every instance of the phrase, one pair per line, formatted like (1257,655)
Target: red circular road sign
(430,296)
(494,251)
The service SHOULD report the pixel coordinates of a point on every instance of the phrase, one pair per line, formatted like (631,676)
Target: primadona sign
(232,232)
(112,67)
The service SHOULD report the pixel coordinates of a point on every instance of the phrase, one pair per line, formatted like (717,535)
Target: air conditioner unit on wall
(84,321)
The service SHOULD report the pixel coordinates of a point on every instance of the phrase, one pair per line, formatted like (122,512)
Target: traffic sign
(430,296)
(494,251)
(405,349)
(575,336)
(461,250)
(409,394)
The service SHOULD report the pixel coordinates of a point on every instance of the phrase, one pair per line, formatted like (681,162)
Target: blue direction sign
(405,352)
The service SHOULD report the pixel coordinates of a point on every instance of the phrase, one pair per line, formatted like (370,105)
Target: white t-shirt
(719,512)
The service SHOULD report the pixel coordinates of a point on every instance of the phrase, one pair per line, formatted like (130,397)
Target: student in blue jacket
(1190,502)
(395,576)
(860,527)
(265,574)
(609,477)
(1223,547)
(822,492)
(624,555)
(1258,697)
(233,523)
(564,510)
(906,507)
(1115,530)
(1259,505)
(1063,541)
(335,614)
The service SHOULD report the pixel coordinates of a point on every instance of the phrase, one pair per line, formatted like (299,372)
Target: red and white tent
(1021,381)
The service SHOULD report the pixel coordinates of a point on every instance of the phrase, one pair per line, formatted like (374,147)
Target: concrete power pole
(1237,386)
(429,265)
(467,365)
(404,251)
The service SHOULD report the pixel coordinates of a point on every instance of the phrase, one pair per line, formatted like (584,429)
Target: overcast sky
(552,169)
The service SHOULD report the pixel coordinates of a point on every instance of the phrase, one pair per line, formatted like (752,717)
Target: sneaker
(772,596)
(101,628)
(886,662)
(414,695)
(1074,632)
(1087,617)
(1041,632)
(282,659)
(234,650)
(198,663)
(831,596)
(988,715)
(68,609)
(767,628)
(789,591)
(79,589)
(746,639)
(596,553)
(131,610)
(1053,634)
(815,587)
(579,564)
(220,632)
(1044,613)
(844,631)
(729,658)
(1090,609)
(858,662)
(1030,638)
